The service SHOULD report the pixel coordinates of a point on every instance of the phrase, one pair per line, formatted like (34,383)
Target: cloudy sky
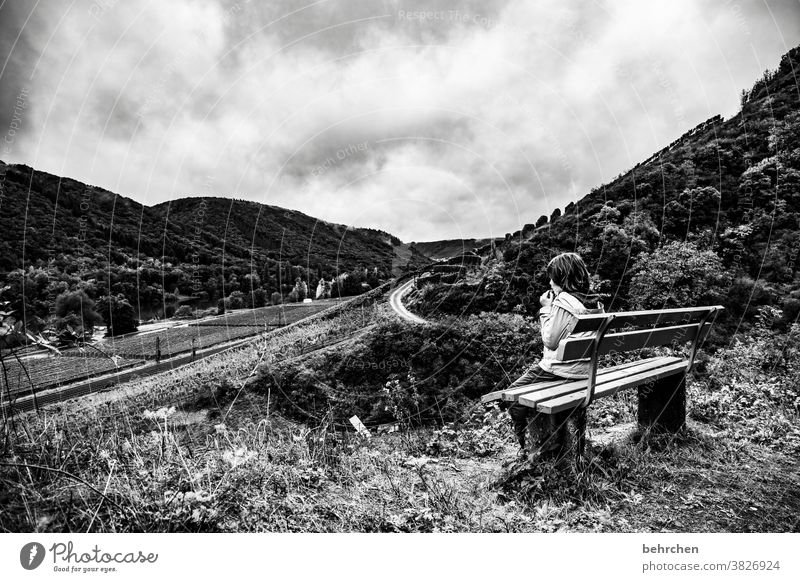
(430,120)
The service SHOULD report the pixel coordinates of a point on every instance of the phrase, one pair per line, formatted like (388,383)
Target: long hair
(569,272)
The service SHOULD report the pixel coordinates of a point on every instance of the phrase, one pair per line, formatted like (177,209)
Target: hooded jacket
(557,321)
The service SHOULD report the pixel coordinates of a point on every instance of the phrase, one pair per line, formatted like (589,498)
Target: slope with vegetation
(65,237)
(721,203)
(197,450)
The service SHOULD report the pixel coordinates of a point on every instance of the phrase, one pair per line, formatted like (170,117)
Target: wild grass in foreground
(171,470)
(193,451)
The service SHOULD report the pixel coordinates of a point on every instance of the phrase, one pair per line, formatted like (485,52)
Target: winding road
(396,301)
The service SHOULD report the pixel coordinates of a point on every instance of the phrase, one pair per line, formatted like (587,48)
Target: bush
(235,301)
(485,433)
(184,312)
(677,274)
(407,373)
(751,389)
(118,315)
(75,316)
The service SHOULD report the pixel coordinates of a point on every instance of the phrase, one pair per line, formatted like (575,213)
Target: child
(569,296)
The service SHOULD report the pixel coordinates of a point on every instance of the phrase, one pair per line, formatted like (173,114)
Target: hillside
(69,235)
(722,201)
(62,216)
(445,249)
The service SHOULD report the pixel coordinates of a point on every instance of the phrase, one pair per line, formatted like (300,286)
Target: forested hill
(713,216)
(62,236)
(66,220)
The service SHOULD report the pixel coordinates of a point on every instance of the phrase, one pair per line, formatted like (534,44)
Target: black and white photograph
(385,267)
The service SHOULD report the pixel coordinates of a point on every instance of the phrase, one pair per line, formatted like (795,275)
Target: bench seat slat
(592,322)
(532,399)
(575,348)
(574,399)
(514,393)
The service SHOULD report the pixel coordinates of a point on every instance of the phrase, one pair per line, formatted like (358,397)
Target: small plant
(486,432)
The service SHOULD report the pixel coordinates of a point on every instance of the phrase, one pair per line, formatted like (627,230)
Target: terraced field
(271,316)
(174,340)
(52,371)
(110,354)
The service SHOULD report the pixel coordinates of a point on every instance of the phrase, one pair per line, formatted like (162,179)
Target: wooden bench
(660,380)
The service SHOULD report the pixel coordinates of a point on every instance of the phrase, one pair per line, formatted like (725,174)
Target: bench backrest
(632,330)
(598,334)
(639,319)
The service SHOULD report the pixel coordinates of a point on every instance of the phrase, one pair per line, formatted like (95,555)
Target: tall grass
(116,461)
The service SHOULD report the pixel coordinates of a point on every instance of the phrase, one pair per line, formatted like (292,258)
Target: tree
(300,291)
(258,297)
(251,282)
(556,215)
(542,220)
(607,215)
(677,274)
(212,287)
(75,316)
(118,314)
(233,284)
(235,300)
(784,141)
(695,209)
(28,297)
(757,184)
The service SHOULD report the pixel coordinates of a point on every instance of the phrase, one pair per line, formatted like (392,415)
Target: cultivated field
(273,315)
(114,354)
(40,373)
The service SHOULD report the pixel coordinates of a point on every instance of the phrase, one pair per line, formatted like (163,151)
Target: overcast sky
(467,120)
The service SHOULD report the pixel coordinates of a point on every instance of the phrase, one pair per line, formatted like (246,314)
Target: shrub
(751,388)
(75,316)
(118,315)
(677,274)
(235,301)
(184,312)
(402,372)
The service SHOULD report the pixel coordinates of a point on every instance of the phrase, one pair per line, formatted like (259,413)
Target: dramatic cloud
(463,119)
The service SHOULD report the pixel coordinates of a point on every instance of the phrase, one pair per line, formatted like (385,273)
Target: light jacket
(557,322)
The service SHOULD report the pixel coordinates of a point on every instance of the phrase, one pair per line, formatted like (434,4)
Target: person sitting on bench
(568,296)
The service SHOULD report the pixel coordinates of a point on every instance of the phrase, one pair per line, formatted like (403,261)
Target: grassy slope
(221,461)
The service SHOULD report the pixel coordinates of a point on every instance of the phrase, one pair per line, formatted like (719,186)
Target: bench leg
(558,437)
(662,405)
